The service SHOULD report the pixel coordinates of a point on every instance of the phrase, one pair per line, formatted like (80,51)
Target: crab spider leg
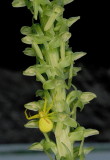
(51,114)
(49,108)
(32,117)
(51,105)
(29,114)
(45,105)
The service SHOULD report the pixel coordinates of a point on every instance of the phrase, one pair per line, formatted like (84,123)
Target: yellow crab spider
(45,124)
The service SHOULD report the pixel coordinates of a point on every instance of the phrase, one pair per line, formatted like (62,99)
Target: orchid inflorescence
(56,111)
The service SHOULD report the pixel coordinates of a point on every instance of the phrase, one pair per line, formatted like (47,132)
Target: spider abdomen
(45,125)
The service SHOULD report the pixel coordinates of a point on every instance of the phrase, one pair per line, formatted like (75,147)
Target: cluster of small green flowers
(48,38)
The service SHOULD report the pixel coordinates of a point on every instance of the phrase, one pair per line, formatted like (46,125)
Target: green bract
(48,41)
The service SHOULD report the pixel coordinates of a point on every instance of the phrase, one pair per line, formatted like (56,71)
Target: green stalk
(62,138)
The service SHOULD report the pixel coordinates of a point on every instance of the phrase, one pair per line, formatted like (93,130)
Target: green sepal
(75,71)
(57,11)
(40,93)
(60,117)
(63,158)
(79,133)
(58,72)
(87,150)
(50,146)
(37,49)
(30,71)
(61,25)
(38,29)
(34,106)
(72,20)
(39,77)
(29,52)
(27,39)
(44,2)
(42,68)
(86,97)
(44,93)
(36,147)
(77,55)
(90,132)
(26,30)
(35,8)
(72,96)
(55,42)
(61,106)
(63,118)
(67,1)
(19,3)
(32,124)
(81,150)
(70,122)
(69,154)
(51,84)
(66,36)
(65,62)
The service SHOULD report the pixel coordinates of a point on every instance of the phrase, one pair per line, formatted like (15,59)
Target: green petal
(61,106)
(80,133)
(51,84)
(67,1)
(66,36)
(32,124)
(26,30)
(72,20)
(87,97)
(90,132)
(72,96)
(77,134)
(87,150)
(27,39)
(78,55)
(34,106)
(65,62)
(70,122)
(29,52)
(36,147)
(18,3)
(50,145)
(30,71)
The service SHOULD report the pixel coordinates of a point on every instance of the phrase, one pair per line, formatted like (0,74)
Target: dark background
(89,34)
